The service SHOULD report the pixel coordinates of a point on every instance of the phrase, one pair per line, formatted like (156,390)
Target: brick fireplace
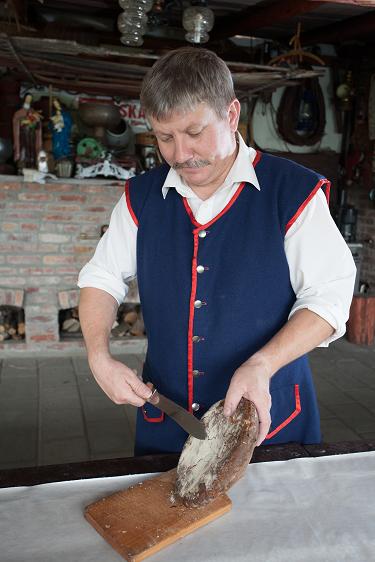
(48,232)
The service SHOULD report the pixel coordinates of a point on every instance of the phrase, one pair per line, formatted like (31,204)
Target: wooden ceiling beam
(357,27)
(359,3)
(256,17)
(18,12)
(82,5)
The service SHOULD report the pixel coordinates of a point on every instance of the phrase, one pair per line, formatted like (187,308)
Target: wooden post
(361,323)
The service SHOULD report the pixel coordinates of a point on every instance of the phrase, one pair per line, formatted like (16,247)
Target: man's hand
(120,383)
(303,331)
(252,381)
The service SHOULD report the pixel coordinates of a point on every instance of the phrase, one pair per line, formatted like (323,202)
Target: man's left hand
(252,381)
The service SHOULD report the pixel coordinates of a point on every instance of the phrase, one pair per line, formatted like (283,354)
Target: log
(120,330)
(138,328)
(71,325)
(130,317)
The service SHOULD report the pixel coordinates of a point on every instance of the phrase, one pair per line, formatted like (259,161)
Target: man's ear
(234,111)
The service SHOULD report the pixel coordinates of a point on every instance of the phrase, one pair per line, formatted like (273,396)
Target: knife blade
(181,416)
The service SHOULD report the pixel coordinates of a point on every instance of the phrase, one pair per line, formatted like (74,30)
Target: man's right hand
(119,382)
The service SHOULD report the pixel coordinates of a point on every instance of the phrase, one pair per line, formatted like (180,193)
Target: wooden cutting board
(145,518)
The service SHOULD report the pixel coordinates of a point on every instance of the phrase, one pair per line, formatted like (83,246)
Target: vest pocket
(152,414)
(287,405)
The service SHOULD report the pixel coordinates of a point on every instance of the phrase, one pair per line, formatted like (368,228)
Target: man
(241,269)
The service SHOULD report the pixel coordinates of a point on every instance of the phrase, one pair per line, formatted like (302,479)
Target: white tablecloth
(310,510)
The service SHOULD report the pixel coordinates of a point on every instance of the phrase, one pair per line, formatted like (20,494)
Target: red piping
(194,275)
(328,191)
(226,208)
(191,319)
(308,199)
(194,283)
(128,202)
(292,415)
(258,156)
(152,420)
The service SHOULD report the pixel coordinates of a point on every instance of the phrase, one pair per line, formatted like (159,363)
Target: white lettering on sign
(132,112)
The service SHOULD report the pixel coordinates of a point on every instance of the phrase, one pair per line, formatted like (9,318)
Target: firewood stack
(12,323)
(71,324)
(129,321)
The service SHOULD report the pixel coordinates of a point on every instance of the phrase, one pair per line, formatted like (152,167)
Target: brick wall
(47,233)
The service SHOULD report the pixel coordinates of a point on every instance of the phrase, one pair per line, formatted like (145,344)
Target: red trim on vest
(308,199)
(194,276)
(191,319)
(128,202)
(226,208)
(152,420)
(292,415)
(189,211)
(258,156)
(328,191)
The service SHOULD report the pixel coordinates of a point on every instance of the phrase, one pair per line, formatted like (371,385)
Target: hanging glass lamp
(198,20)
(132,23)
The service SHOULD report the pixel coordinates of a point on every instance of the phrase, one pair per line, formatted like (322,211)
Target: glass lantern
(198,20)
(132,23)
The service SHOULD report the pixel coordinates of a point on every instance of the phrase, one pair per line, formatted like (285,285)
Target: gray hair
(182,78)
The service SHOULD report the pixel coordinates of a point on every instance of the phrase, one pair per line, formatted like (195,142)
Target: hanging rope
(289,113)
(297,54)
(305,98)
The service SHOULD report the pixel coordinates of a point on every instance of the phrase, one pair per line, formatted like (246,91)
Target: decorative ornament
(42,161)
(90,149)
(27,135)
(106,168)
(61,126)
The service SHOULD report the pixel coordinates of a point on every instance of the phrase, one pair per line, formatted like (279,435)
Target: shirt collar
(242,170)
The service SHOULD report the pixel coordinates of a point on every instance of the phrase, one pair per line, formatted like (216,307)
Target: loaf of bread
(209,467)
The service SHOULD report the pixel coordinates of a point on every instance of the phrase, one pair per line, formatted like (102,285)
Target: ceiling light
(132,23)
(198,20)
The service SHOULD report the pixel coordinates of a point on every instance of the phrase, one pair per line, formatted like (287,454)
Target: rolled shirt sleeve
(114,261)
(322,269)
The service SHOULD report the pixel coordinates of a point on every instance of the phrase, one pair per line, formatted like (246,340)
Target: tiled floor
(344,377)
(52,411)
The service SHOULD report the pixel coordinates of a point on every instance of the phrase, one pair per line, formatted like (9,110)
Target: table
(315,507)
(160,463)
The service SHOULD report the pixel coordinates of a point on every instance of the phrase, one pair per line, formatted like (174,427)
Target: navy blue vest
(214,294)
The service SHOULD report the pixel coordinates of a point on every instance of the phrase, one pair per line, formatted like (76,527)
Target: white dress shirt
(322,270)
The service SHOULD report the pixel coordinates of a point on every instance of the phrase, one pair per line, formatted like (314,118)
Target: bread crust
(209,467)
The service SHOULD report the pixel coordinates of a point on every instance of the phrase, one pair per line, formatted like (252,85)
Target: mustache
(190,164)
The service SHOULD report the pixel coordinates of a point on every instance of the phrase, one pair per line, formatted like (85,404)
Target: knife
(181,416)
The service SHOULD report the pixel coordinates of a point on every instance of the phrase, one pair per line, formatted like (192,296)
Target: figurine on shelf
(61,126)
(27,135)
(42,162)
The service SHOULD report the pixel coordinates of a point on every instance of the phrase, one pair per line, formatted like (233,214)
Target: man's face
(198,143)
